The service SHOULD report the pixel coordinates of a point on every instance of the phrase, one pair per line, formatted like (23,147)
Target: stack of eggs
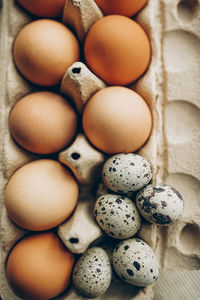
(44,193)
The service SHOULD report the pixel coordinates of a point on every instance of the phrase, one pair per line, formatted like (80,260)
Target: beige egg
(117,120)
(41,195)
(43,122)
(44,50)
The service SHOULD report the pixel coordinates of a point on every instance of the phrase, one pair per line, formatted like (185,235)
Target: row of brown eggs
(51,9)
(43,193)
(115,120)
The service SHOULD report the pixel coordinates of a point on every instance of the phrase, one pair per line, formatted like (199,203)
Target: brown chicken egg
(43,8)
(39,267)
(117,120)
(43,122)
(41,195)
(121,7)
(117,50)
(43,51)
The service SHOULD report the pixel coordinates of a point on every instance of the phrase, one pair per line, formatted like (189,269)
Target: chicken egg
(117,120)
(44,50)
(41,195)
(43,122)
(39,267)
(43,8)
(120,7)
(117,50)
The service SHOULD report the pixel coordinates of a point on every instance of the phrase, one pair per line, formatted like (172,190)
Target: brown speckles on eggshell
(160,204)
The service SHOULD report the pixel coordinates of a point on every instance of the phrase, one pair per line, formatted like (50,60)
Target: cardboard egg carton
(171,86)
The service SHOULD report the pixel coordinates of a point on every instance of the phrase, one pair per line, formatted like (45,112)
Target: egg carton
(171,86)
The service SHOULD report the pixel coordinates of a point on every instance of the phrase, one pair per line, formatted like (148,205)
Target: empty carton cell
(187,10)
(181,249)
(190,238)
(181,51)
(189,188)
(183,92)
(182,122)
(184,158)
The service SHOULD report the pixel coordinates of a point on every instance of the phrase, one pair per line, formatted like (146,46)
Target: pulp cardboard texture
(171,86)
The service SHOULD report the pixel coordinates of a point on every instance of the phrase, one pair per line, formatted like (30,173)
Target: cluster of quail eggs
(119,217)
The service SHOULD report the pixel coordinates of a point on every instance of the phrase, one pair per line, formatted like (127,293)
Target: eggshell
(120,7)
(44,50)
(160,204)
(123,173)
(39,267)
(117,120)
(41,195)
(44,8)
(117,216)
(43,122)
(117,50)
(135,262)
(92,273)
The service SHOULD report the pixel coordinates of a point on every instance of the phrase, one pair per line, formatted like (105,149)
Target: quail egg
(92,273)
(160,204)
(123,173)
(117,216)
(135,262)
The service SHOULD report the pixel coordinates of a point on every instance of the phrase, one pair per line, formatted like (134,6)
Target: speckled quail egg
(160,204)
(135,262)
(123,173)
(117,216)
(92,273)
